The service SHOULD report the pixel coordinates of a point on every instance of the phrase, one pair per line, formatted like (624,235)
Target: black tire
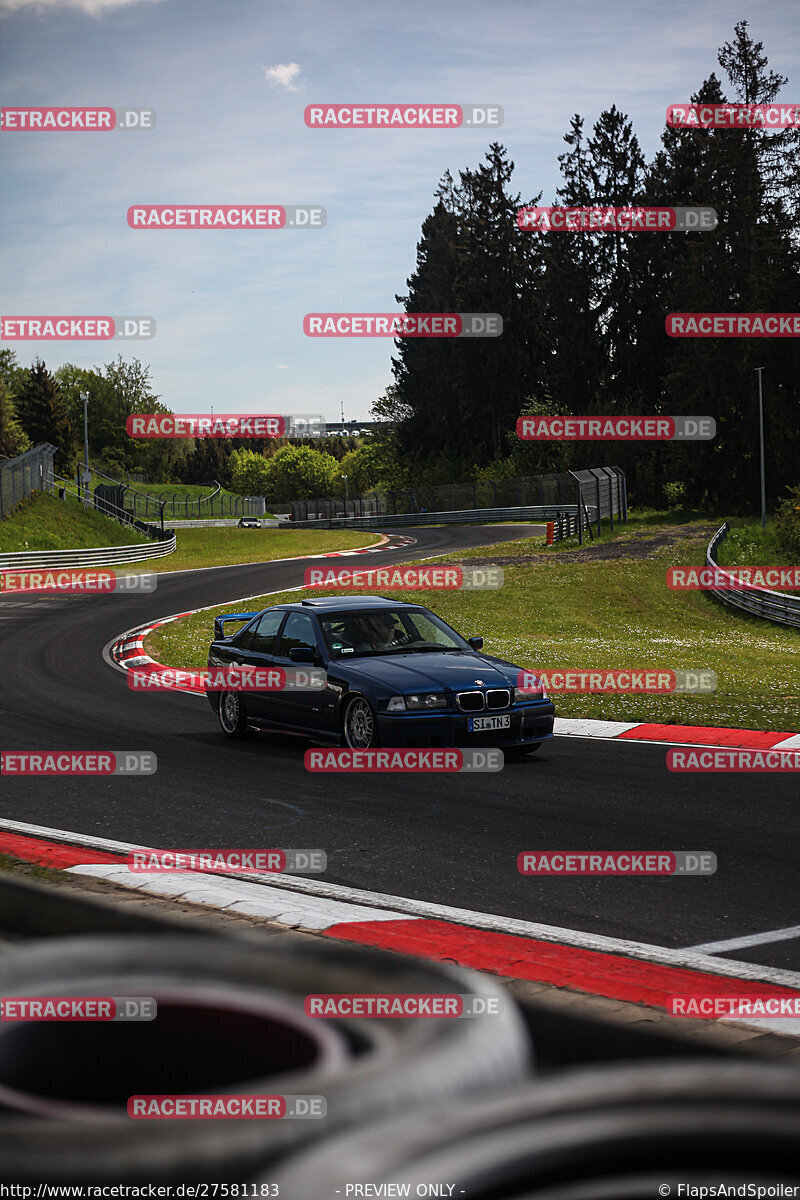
(232,715)
(605,1133)
(360,725)
(371,1068)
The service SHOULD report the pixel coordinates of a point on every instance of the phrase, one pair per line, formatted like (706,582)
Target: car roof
(325,604)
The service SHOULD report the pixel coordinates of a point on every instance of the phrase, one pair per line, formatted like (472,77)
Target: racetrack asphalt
(445,839)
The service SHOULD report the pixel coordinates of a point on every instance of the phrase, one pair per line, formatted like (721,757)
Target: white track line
(753,939)
(400,907)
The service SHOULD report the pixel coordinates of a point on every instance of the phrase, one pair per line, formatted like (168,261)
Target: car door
(302,708)
(257,651)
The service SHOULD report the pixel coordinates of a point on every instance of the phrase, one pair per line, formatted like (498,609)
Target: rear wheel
(232,715)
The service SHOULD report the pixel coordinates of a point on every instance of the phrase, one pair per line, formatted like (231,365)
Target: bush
(675,494)
(787,523)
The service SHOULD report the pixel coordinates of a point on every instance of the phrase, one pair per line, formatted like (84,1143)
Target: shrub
(787,523)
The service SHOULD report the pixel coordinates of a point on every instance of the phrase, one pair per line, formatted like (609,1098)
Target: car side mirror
(476,643)
(302,654)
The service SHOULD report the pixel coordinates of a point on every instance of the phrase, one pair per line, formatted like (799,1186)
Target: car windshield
(388,631)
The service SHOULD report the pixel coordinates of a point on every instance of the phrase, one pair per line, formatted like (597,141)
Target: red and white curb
(593,964)
(677,735)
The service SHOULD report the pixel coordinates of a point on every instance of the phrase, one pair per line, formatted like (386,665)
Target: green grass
(212,547)
(614,614)
(748,545)
(20,866)
(43,522)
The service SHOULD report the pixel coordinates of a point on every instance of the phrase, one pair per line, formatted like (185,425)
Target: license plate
(482,724)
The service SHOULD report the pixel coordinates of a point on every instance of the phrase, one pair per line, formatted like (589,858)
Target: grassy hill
(44,522)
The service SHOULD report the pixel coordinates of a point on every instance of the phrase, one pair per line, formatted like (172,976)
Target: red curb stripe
(613,976)
(53,854)
(706,735)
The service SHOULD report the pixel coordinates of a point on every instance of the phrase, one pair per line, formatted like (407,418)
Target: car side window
(244,636)
(264,636)
(298,631)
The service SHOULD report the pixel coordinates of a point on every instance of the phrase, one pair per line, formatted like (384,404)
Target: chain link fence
(599,492)
(27,473)
(149,504)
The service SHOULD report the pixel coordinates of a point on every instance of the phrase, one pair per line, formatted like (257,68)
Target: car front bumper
(529,723)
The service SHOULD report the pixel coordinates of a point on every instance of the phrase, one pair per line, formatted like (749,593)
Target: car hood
(455,670)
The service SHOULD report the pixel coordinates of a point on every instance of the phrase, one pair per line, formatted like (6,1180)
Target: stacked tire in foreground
(230,1021)
(627,1132)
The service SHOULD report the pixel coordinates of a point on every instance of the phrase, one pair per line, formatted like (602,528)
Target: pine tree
(44,417)
(13,439)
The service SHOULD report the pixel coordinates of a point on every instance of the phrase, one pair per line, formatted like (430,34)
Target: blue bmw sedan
(388,673)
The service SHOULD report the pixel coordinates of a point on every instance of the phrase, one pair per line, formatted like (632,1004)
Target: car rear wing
(219,623)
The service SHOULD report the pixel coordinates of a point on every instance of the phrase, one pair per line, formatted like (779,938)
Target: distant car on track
(249,523)
(396,675)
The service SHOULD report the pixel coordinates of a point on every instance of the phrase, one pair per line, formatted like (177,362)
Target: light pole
(344,477)
(758,371)
(86,476)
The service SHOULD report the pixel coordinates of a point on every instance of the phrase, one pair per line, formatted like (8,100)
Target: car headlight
(421,700)
(427,700)
(529,693)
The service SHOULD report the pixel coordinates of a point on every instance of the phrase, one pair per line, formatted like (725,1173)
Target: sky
(229,80)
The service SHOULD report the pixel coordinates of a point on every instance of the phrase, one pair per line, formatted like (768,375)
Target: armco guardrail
(780,607)
(103,556)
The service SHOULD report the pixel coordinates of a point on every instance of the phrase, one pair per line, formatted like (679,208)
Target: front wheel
(232,715)
(360,726)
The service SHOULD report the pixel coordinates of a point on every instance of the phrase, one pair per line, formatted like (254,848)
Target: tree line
(584,314)
(39,406)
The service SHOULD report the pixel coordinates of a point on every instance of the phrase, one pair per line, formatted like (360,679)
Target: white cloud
(283,75)
(93,8)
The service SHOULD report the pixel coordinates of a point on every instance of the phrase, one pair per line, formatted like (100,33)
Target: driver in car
(378,632)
